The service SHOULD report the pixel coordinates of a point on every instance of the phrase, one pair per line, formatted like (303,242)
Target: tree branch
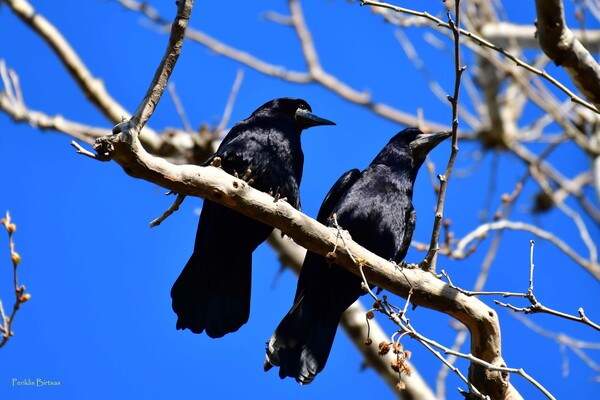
(164,70)
(561,46)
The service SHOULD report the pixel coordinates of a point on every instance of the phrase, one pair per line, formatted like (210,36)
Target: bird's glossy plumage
(212,293)
(375,206)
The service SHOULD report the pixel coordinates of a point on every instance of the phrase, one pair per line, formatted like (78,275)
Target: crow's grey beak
(308,119)
(424,142)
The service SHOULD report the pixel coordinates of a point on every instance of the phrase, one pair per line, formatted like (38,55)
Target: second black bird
(375,206)
(212,293)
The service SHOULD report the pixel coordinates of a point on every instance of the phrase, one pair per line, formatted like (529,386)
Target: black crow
(212,292)
(375,206)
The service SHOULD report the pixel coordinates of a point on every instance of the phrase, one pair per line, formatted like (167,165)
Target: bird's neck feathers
(399,159)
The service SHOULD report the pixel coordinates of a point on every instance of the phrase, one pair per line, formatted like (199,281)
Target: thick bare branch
(164,70)
(561,46)
(506,34)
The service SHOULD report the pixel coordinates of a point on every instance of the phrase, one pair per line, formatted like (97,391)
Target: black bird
(375,206)
(213,291)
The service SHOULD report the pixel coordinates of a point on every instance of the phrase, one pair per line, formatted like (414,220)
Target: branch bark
(561,46)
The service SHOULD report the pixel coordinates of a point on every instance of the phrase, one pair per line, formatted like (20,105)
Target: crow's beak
(307,119)
(424,142)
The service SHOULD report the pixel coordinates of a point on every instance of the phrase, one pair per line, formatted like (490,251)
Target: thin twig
(480,293)
(81,150)
(20,295)
(429,262)
(239,77)
(179,107)
(174,207)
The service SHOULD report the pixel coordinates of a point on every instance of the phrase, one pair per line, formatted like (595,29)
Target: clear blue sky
(100,319)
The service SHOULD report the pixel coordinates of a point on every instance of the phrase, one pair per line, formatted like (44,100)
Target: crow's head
(296,109)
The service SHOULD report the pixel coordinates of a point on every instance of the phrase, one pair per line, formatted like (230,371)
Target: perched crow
(375,206)
(213,291)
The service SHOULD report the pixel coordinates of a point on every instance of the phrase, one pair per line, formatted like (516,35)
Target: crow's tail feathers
(213,295)
(301,343)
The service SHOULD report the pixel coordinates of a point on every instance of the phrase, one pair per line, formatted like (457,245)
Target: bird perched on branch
(375,206)
(212,293)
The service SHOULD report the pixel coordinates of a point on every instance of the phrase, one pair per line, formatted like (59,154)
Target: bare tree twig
(434,85)
(82,151)
(399,317)
(239,77)
(429,262)
(544,167)
(20,295)
(480,293)
(175,142)
(504,209)
(174,207)
(179,107)
(537,307)
(573,215)
(13,104)
(502,33)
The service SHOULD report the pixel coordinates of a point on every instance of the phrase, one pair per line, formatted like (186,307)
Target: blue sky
(100,318)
